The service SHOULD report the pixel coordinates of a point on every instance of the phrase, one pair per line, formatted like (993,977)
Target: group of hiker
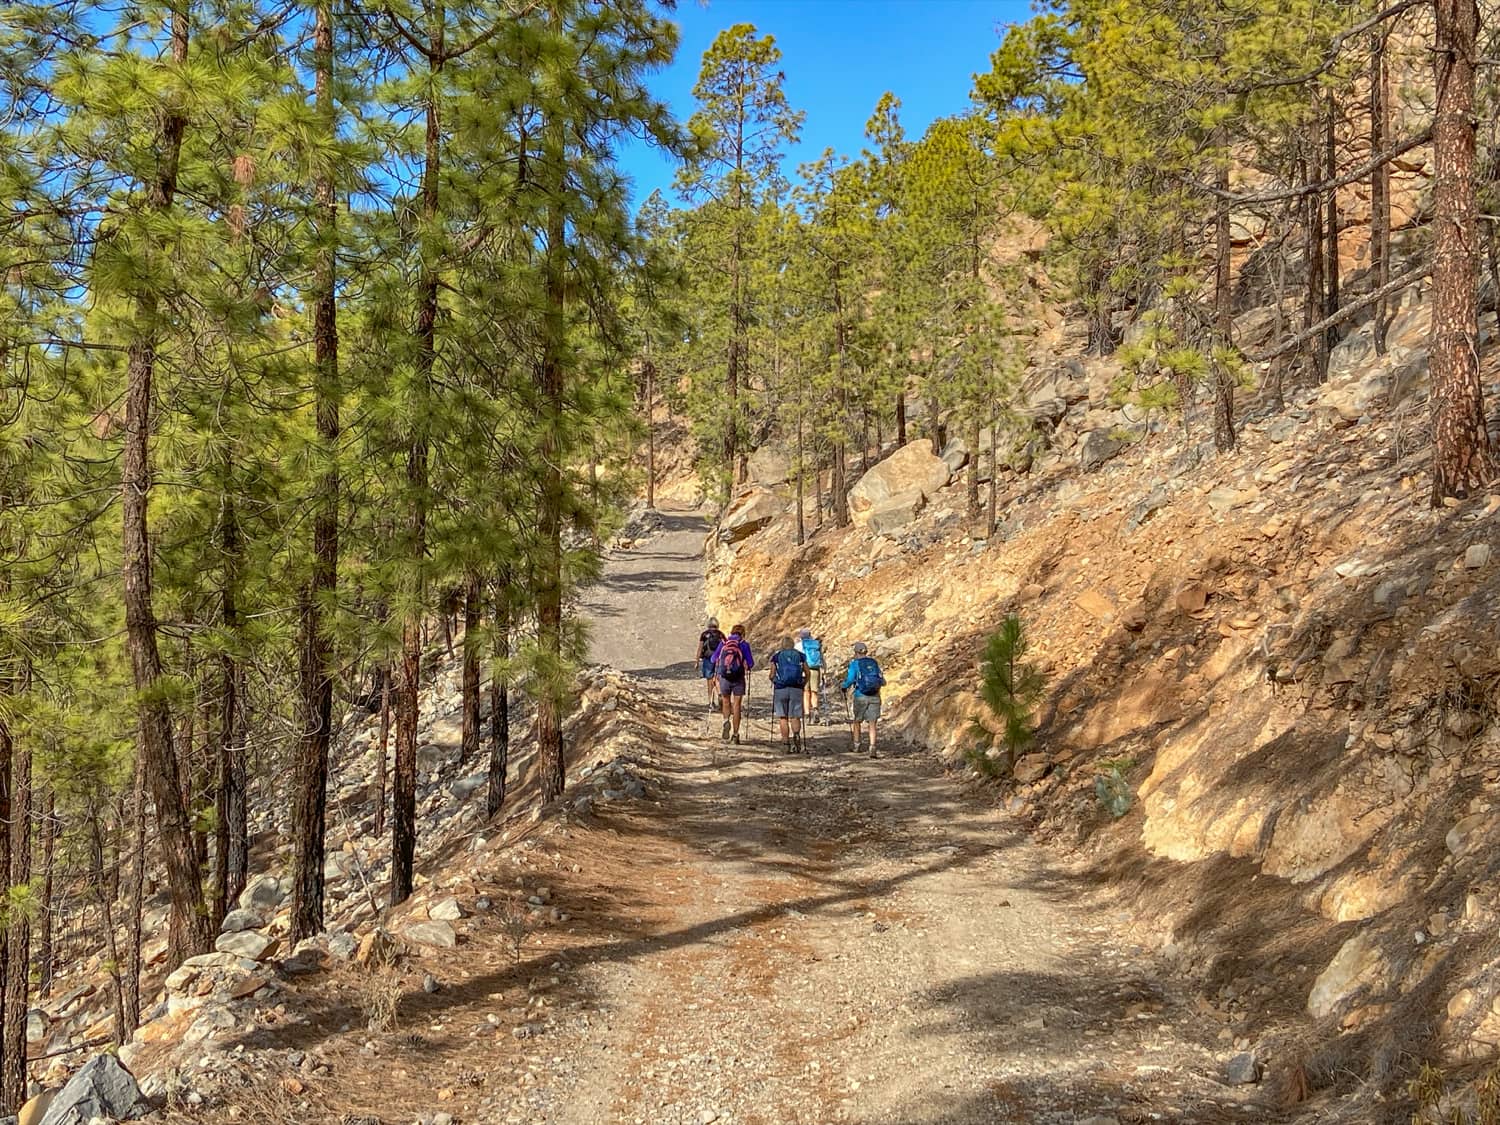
(796,670)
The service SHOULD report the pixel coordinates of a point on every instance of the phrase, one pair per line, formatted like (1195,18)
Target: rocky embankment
(1282,660)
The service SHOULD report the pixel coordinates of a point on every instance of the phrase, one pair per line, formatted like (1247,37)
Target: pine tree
(741,126)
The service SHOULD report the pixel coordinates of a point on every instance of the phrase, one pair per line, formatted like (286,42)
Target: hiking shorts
(865,708)
(814,678)
(731,687)
(706,668)
(786,703)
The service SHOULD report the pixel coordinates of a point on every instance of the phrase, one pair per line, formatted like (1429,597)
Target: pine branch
(1392,287)
(1335,47)
(1283,194)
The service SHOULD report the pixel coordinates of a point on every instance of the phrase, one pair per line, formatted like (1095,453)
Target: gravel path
(830,938)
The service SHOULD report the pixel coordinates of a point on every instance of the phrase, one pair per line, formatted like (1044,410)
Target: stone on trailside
(435,933)
(447,910)
(893,514)
(1242,1070)
(1099,446)
(749,512)
(769,467)
(237,920)
(102,1088)
(246,943)
(262,893)
(911,469)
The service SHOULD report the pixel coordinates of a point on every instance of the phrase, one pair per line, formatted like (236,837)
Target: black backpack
(708,642)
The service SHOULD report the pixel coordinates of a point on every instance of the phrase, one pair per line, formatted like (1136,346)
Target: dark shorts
(786,703)
(866,708)
(706,668)
(727,687)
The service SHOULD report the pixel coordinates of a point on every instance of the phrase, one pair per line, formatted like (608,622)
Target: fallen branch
(1386,290)
(86,1045)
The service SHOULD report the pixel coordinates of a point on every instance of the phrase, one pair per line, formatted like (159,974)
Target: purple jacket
(744,645)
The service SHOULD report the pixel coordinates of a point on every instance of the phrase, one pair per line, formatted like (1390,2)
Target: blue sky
(839,57)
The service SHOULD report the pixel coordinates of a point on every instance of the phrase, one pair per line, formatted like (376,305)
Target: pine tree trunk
(130,1016)
(993,521)
(971,472)
(1462,457)
(1331,223)
(385,749)
(650,430)
(121,992)
(838,485)
(1380,184)
(900,419)
(7,816)
(1224,435)
(473,605)
(818,483)
(46,953)
(311,813)
(499,701)
(801,522)
(17,939)
(552,384)
(1313,294)
(404,782)
(231,829)
(190,932)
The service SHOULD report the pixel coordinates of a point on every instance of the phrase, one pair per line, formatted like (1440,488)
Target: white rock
(447,910)
(245,943)
(262,893)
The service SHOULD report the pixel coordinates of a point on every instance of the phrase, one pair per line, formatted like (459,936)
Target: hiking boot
(874,753)
(797,743)
(725,732)
(736,738)
(786,747)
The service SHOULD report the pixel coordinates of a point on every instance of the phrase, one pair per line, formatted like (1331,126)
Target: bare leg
(872,739)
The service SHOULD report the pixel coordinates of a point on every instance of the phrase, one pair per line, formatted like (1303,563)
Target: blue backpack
(789,669)
(867,677)
(812,648)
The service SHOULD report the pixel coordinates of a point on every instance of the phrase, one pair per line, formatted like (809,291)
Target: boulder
(1097,447)
(34,1110)
(1242,1070)
(37,1025)
(750,512)
(466,787)
(237,920)
(102,1088)
(447,910)
(893,514)
(1031,767)
(1465,834)
(1358,964)
(435,933)
(246,943)
(955,455)
(911,469)
(263,893)
(342,944)
(769,467)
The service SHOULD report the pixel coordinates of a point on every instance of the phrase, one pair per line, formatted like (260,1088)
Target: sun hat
(804,633)
(860,648)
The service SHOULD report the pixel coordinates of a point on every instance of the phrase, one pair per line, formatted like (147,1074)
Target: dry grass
(379,996)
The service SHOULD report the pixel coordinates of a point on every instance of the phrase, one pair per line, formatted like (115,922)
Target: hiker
(865,677)
(811,648)
(788,678)
(732,663)
(708,643)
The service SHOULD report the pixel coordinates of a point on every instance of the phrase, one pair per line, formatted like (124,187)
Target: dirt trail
(832,938)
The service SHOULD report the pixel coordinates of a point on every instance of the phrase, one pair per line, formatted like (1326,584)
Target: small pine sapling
(1010,687)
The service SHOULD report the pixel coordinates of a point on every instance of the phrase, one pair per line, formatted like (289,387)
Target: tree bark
(385,749)
(901,418)
(190,931)
(1380,183)
(801,473)
(46,953)
(499,701)
(552,383)
(1312,294)
(650,429)
(1462,458)
(7,816)
(17,938)
(473,606)
(1331,224)
(130,1013)
(311,816)
(1224,433)
(971,476)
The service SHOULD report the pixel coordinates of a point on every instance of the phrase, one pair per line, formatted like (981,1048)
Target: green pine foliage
(1010,687)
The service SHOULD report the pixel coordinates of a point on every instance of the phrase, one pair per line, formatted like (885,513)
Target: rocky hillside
(1283,657)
